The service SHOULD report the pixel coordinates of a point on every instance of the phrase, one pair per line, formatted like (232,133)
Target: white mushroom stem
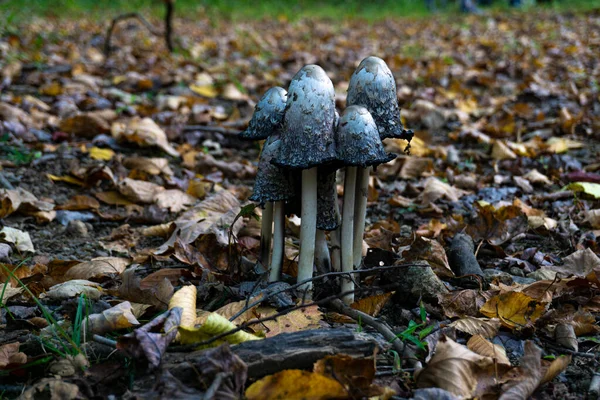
(322,258)
(348,233)
(308,229)
(360,213)
(278,241)
(266,234)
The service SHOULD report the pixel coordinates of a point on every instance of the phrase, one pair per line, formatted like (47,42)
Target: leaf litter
(123,182)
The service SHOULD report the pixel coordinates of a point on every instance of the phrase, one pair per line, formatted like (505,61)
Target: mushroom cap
(307,135)
(373,86)
(272,183)
(328,216)
(358,141)
(268,115)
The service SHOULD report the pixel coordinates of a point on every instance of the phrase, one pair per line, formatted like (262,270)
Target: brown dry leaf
(530,377)
(497,225)
(500,151)
(462,303)
(66,178)
(453,368)
(88,125)
(175,200)
(158,296)
(139,191)
(73,288)
(152,166)
(98,268)
(514,309)
(21,200)
(429,250)
(186,299)
(10,356)
(113,198)
(118,317)
(484,347)
(536,177)
(593,218)
(580,263)
(294,321)
(372,305)
(52,388)
(296,384)
(435,189)
(354,374)
(485,327)
(79,203)
(155,278)
(144,132)
(554,368)
(231,309)
(415,167)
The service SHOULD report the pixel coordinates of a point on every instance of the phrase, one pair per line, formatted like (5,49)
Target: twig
(211,392)
(170,4)
(105,341)
(567,194)
(216,129)
(365,318)
(316,278)
(594,389)
(572,352)
(123,17)
(5,183)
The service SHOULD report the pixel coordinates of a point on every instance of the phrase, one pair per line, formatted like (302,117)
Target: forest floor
(122,180)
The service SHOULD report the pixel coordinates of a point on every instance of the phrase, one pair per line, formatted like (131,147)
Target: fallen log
(298,350)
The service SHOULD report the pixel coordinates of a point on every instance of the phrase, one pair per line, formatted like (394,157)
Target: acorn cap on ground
(358,141)
(373,86)
(307,135)
(272,183)
(328,216)
(268,115)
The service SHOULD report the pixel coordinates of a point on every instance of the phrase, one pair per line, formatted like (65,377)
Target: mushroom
(265,122)
(268,115)
(359,147)
(273,187)
(373,86)
(307,141)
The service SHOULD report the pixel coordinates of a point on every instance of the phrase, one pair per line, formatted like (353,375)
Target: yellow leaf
(562,145)
(186,299)
(213,326)
(297,320)
(101,154)
(484,347)
(66,178)
(296,384)
(372,305)
(593,189)
(514,309)
(204,90)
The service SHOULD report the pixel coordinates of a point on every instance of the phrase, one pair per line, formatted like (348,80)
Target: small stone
(5,252)
(77,228)
(490,274)
(516,271)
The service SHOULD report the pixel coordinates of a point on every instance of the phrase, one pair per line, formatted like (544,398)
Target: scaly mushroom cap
(268,115)
(373,86)
(307,135)
(272,183)
(358,140)
(328,216)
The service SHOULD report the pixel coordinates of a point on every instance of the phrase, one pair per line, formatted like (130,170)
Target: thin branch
(123,17)
(316,278)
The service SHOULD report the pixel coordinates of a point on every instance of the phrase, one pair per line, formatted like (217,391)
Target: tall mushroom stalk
(307,141)
(359,148)
(373,86)
(328,218)
(266,121)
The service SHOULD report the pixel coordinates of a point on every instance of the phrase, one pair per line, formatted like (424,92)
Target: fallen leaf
(98,268)
(97,153)
(485,327)
(115,318)
(10,356)
(296,384)
(592,189)
(514,309)
(484,347)
(20,239)
(73,288)
(144,132)
(158,296)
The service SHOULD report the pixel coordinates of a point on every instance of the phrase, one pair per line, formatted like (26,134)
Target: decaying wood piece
(298,350)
